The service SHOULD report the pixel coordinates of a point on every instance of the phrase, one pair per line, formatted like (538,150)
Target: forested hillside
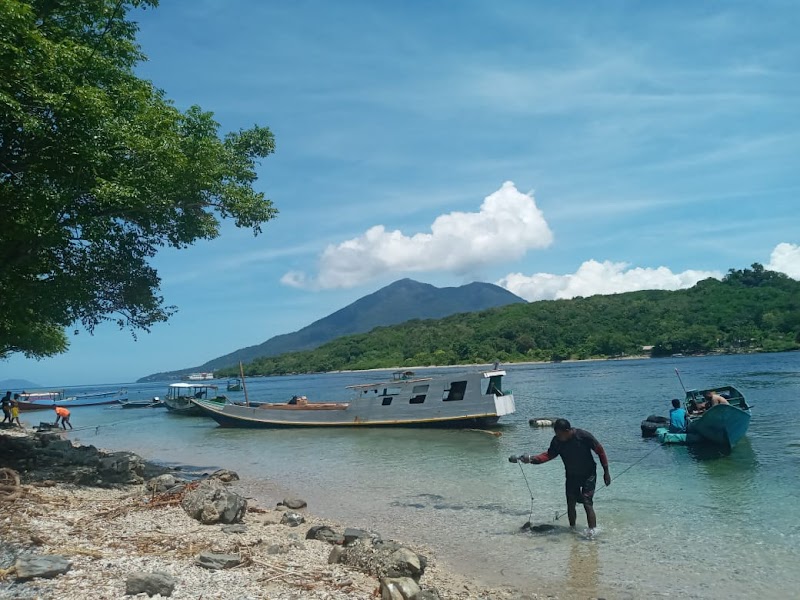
(749,310)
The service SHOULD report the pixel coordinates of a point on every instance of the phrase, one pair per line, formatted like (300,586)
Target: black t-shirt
(6,402)
(577,453)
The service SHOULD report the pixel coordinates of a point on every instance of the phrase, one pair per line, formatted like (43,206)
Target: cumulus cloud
(507,225)
(594,277)
(786,259)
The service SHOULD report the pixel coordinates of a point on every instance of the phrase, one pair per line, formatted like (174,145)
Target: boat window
(387,401)
(495,385)
(420,389)
(418,399)
(456,391)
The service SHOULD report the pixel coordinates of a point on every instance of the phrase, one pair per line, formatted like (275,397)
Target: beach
(109,532)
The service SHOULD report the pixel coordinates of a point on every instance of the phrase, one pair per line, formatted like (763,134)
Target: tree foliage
(98,170)
(751,310)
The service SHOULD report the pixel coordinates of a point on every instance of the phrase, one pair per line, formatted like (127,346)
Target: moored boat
(41,400)
(180,395)
(143,403)
(234,385)
(474,399)
(723,424)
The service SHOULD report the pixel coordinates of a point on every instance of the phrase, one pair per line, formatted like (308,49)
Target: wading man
(575,447)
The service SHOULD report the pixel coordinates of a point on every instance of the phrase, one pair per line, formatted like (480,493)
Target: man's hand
(513,458)
(607,478)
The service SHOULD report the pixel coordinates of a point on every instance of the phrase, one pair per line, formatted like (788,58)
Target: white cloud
(507,225)
(786,259)
(594,277)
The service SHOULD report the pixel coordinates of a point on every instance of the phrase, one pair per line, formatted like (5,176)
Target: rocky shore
(84,523)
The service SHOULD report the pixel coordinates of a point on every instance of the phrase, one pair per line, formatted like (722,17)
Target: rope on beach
(530,491)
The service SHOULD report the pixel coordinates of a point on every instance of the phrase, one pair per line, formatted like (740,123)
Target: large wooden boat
(180,395)
(474,399)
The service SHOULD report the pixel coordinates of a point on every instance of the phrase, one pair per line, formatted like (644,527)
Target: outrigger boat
(47,399)
(471,400)
(143,403)
(180,396)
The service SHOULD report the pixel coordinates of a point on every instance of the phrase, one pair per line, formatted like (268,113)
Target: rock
(214,561)
(427,595)
(404,563)
(277,549)
(225,476)
(351,535)
(121,467)
(400,588)
(210,502)
(293,503)
(335,555)
(292,519)
(238,528)
(47,566)
(323,533)
(176,489)
(381,559)
(162,483)
(269,518)
(152,584)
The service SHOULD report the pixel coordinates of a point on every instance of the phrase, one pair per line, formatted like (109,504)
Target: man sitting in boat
(713,398)
(677,418)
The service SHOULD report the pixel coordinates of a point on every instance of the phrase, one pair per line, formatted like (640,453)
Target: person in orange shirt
(63,414)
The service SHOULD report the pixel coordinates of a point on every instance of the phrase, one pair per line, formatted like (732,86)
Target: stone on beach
(152,584)
(293,503)
(211,502)
(351,535)
(215,561)
(224,475)
(162,483)
(400,588)
(381,559)
(323,533)
(292,519)
(41,565)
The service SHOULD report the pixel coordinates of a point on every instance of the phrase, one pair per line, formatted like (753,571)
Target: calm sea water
(683,522)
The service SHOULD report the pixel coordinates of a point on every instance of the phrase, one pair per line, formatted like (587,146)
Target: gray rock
(270,518)
(400,588)
(162,483)
(212,560)
(351,535)
(404,563)
(210,502)
(292,519)
(323,533)
(381,559)
(293,503)
(152,584)
(335,556)
(427,595)
(238,528)
(47,566)
(224,475)
(121,467)
(277,549)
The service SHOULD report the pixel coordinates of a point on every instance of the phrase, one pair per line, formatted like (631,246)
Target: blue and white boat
(723,424)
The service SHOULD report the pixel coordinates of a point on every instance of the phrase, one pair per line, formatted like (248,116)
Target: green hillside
(750,310)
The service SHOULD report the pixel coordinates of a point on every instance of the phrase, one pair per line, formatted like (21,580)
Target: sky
(557,149)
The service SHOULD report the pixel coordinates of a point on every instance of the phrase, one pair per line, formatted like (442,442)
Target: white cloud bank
(507,225)
(786,259)
(594,277)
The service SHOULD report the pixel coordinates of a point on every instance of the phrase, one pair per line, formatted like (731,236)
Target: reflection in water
(583,572)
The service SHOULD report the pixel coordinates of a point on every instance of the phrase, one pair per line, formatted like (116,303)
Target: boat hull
(723,425)
(76,401)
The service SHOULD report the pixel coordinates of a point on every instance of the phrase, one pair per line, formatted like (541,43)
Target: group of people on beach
(11,409)
(10,405)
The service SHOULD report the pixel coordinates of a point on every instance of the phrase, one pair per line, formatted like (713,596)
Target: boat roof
(191,385)
(41,393)
(484,374)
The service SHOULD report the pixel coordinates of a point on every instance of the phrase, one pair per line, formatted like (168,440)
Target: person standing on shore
(6,403)
(575,447)
(15,410)
(63,414)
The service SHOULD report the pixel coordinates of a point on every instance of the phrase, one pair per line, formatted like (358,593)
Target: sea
(679,522)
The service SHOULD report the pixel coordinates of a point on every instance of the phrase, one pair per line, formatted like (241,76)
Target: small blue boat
(723,424)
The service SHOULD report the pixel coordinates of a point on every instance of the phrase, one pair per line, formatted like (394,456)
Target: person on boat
(15,410)
(6,402)
(575,447)
(713,398)
(677,418)
(62,414)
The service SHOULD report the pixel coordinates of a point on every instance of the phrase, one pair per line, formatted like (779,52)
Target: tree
(98,170)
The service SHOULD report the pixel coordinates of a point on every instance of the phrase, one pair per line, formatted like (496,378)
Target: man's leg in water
(571,513)
(591,518)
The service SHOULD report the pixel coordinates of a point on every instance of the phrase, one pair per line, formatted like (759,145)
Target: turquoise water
(682,523)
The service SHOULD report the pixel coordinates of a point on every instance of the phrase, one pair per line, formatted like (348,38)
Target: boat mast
(244,385)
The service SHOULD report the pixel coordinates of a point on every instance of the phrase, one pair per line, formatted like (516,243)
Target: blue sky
(650,134)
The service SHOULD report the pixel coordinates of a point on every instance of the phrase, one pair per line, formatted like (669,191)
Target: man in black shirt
(575,447)
(6,402)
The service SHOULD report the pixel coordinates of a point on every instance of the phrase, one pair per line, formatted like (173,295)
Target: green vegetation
(750,310)
(98,170)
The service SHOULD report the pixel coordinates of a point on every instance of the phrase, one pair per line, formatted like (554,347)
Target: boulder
(47,566)
(214,561)
(323,533)
(399,588)
(292,519)
(121,467)
(224,475)
(381,559)
(152,584)
(162,483)
(210,502)
(404,563)
(293,503)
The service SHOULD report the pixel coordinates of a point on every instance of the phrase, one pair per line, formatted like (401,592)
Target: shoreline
(133,532)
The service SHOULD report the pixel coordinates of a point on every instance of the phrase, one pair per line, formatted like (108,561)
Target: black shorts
(581,489)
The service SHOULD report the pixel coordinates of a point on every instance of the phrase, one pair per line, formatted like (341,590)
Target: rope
(530,491)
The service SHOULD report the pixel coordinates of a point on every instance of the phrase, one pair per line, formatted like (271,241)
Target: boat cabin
(199,391)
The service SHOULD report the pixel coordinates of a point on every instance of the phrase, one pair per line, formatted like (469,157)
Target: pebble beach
(109,534)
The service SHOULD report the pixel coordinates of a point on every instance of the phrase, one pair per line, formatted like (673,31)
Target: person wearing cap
(575,447)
